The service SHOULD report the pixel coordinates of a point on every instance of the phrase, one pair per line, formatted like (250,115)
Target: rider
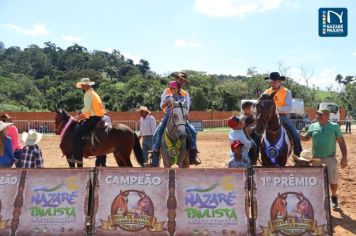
(92,112)
(181,80)
(283,101)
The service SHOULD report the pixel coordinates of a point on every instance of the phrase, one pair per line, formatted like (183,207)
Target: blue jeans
(287,123)
(146,145)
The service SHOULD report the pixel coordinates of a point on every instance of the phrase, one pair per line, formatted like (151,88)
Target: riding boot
(193,157)
(155,159)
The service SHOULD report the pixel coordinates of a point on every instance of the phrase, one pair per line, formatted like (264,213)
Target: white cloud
(238,61)
(135,57)
(325,78)
(180,43)
(71,38)
(354,54)
(36,30)
(228,8)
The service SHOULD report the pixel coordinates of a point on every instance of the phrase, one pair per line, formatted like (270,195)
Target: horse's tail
(138,151)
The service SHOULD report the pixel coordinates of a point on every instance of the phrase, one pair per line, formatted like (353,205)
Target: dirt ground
(214,153)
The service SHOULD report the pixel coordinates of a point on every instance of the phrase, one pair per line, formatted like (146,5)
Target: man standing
(147,129)
(283,100)
(92,112)
(324,134)
(348,123)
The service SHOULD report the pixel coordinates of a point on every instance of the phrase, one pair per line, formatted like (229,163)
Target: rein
(66,126)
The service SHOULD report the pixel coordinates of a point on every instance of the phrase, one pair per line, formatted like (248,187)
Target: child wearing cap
(240,144)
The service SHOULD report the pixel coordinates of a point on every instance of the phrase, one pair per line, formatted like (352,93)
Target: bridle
(181,108)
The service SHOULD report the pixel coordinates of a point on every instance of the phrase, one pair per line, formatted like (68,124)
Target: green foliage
(36,79)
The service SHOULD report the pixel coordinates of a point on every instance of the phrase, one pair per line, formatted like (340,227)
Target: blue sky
(215,36)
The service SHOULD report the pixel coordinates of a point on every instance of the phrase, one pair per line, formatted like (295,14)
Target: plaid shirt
(31,157)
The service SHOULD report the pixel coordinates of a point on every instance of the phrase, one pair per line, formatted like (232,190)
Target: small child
(237,133)
(236,148)
(31,155)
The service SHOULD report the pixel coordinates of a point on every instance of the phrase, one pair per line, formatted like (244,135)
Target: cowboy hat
(4,125)
(32,137)
(180,75)
(143,108)
(6,117)
(84,81)
(307,156)
(275,76)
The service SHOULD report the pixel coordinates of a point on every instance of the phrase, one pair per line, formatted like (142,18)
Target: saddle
(98,134)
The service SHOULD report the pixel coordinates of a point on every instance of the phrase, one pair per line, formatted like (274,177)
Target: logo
(132,210)
(332,22)
(292,214)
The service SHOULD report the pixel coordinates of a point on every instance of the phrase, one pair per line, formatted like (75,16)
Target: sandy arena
(214,149)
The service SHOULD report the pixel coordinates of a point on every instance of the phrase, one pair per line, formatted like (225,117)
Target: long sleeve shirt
(8,157)
(13,133)
(147,126)
(31,157)
(288,101)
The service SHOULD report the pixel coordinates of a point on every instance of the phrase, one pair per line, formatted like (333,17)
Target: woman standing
(6,154)
(13,133)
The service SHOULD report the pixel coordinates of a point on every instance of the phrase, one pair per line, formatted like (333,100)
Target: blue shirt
(8,157)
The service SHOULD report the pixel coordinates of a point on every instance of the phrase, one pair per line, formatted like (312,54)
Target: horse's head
(179,117)
(265,108)
(60,120)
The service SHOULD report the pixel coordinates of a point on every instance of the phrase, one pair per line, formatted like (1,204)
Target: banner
(211,202)
(198,125)
(131,201)
(291,201)
(9,204)
(54,202)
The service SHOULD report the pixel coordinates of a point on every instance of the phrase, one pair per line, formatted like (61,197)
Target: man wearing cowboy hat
(92,112)
(13,133)
(31,155)
(324,134)
(283,100)
(6,154)
(181,80)
(147,129)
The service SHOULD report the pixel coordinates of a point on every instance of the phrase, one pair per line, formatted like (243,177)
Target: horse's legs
(186,161)
(71,164)
(122,158)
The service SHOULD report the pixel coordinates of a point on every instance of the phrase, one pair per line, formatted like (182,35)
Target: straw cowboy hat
(4,125)
(84,81)
(143,108)
(32,137)
(180,75)
(6,117)
(307,156)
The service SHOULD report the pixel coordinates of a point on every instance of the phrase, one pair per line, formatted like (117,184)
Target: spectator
(6,154)
(348,123)
(31,156)
(147,129)
(13,133)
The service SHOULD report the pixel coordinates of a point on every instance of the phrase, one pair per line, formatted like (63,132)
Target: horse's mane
(64,114)
(265,96)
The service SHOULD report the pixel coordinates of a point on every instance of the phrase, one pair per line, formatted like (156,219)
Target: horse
(279,207)
(144,205)
(119,140)
(304,210)
(276,144)
(174,149)
(120,204)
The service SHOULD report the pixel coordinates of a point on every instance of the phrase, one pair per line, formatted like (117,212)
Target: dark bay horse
(119,140)
(275,144)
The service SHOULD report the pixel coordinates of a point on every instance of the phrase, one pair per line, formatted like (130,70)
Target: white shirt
(164,96)
(240,136)
(147,126)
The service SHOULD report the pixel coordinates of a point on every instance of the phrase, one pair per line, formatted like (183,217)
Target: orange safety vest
(168,93)
(279,97)
(96,105)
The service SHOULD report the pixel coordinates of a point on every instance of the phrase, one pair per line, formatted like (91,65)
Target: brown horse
(120,204)
(279,207)
(119,140)
(275,144)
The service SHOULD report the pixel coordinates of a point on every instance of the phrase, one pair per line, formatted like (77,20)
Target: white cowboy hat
(84,81)
(32,137)
(143,108)
(307,156)
(4,125)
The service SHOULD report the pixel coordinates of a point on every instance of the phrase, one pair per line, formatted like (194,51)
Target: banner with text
(212,202)
(131,201)
(291,201)
(54,202)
